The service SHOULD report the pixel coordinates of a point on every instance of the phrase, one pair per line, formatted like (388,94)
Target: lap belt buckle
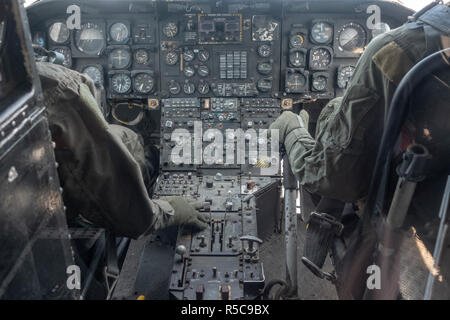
(326,220)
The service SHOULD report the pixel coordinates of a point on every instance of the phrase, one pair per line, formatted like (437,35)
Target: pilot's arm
(101,178)
(339,162)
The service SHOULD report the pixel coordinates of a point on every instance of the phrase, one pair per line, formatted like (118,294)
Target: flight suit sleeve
(100,177)
(338,163)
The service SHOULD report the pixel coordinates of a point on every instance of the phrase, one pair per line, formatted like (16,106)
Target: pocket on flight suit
(346,127)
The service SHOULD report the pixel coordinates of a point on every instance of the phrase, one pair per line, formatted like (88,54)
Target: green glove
(288,122)
(187,214)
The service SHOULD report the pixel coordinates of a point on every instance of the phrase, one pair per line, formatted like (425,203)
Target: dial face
(119,32)
(296,41)
(203,71)
(58,32)
(141,56)
(189,87)
(120,58)
(90,39)
(143,83)
(203,87)
(94,73)
(171,58)
(264,68)
(174,87)
(203,55)
(121,83)
(320,83)
(320,58)
(322,32)
(352,38)
(264,85)
(344,75)
(67,56)
(189,71)
(297,58)
(170,29)
(188,55)
(295,82)
(264,50)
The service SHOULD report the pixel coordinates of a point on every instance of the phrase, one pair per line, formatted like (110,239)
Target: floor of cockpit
(310,287)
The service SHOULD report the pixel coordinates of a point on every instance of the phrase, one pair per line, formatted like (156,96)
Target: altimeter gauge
(121,83)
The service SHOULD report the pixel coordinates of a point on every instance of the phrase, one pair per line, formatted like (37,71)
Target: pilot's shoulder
(56,77)
(395,52)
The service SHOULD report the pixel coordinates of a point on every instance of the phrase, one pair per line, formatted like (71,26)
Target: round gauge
(58,32)
(121,83)
(352,38)
(189,87)
(344,76)
(319,83)
(264,50)
(320,58)
(203,55)
(67,56)
(295,82)
(189,71)
(322,32)
(170,29)
(297,58)
(119,58)
(380,28)
(119,32)
(188,55)
(264,68)
(203,71)
(203,87)
(95,73)
(264,85)
(296,41)
(171,58)
(141,56)
(174,87)
(143,83)
(90,39)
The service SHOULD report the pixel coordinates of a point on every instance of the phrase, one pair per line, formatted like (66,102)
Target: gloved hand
(186,213)
(288,122)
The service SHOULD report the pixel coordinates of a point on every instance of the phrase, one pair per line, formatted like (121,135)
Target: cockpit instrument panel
(207,68)
(320,53)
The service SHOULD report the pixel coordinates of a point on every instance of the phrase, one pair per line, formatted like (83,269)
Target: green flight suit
(339,162)
(102,167)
